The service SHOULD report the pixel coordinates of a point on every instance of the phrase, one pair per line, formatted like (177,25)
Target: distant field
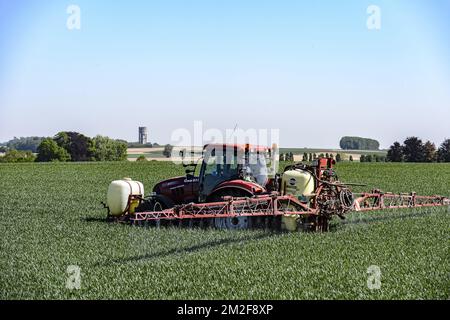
(149,153)
(51,218)
(156,153)
(317,150)
(345,154)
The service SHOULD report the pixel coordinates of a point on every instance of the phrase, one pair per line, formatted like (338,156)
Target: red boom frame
(273,205)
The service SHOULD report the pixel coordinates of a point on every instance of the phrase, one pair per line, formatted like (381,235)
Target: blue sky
(309,68)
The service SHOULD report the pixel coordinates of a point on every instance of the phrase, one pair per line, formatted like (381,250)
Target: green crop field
(152,154)
(51,218)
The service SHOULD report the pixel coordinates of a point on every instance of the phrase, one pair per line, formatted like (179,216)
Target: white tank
(118,195)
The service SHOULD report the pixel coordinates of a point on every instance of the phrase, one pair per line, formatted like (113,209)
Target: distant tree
(413,150)
(167,150)
(369,158)
(49,150)
(281,157)
(17,156)
(395,153)
(76,144)
(358,143)
(310,157)
(362,158)
(327,155)
(321,155)
(24,143)
(291,156)
(331,156)
(430,151)
(350,158)
(62,139)
(305,157)
(315,155)
(106,149)
(338,157)
(444,151)
(141,158)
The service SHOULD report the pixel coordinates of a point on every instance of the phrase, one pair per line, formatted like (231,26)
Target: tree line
(358,143)
(74,146)
(289,156)
(22,144)
(145,145)
(414,150)
(71,146)
(372,158)
(309,157)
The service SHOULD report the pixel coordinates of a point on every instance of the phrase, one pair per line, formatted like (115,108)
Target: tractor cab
(225,170)
(240,169)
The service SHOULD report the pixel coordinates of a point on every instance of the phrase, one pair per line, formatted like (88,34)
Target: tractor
(226,170)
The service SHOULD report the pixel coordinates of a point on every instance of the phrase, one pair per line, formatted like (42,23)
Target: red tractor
(226,170)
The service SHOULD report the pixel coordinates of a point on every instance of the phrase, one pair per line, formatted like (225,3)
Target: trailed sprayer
(238,187)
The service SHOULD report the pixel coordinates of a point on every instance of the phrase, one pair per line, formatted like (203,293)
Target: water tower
(143,135)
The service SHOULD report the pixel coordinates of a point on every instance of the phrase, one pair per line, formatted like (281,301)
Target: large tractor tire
(231,223)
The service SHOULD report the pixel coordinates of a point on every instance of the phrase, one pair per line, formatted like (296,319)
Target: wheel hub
(232,223)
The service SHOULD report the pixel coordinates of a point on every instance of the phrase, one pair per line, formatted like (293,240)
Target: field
(157,153)
(150,153)
(345,154)
(51,218)
(300,151)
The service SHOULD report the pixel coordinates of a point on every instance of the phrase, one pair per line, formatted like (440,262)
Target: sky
(312,69)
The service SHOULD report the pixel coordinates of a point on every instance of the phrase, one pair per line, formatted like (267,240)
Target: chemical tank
(118,198)
(297,182)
